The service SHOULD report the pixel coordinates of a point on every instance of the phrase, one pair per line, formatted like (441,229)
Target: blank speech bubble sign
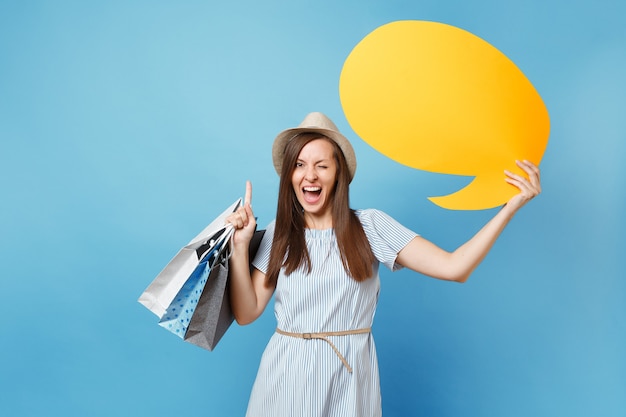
(437,98)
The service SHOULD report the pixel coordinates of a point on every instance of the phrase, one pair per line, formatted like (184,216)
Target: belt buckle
(307,336)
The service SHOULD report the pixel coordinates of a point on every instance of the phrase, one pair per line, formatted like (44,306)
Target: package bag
(213,316)
(160,294)
(179,313)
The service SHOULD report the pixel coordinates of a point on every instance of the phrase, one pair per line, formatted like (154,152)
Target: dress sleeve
(262,258)
(386,236)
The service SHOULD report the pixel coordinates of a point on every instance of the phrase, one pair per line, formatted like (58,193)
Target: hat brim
(278,149)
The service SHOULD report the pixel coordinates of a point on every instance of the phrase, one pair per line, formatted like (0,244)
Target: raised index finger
(247,200)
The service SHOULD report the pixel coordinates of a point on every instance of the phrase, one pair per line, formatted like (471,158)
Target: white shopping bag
(162,291)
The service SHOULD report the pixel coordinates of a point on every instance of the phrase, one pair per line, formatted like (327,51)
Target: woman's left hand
(529,188)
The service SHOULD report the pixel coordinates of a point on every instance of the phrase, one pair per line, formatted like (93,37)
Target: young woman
(320,259)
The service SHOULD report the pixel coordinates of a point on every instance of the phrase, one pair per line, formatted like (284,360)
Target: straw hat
(318,123)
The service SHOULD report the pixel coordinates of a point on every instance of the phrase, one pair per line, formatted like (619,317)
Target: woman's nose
(310,174)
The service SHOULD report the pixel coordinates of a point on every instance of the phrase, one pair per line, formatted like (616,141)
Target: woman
(320,259)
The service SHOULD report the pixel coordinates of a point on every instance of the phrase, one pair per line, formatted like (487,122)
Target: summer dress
(306,377)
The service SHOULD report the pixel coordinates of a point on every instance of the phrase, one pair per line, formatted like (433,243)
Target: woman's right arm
(248,294)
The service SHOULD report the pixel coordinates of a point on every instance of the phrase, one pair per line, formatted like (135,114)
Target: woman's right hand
(248,294)
(243,220)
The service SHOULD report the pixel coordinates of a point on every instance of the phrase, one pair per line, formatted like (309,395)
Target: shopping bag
(213,316)
(178,314)
(158,296)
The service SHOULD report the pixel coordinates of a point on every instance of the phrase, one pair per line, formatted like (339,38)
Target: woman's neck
(312,221)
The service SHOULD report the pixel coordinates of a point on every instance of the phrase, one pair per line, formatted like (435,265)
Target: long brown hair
(289,248)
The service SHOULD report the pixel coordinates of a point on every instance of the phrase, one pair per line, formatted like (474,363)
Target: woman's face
(314,177)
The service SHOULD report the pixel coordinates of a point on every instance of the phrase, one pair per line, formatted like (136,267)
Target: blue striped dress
(305,377)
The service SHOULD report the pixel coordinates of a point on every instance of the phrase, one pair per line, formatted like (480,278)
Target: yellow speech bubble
(438,98)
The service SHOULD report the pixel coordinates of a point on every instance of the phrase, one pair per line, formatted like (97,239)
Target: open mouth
(311,194)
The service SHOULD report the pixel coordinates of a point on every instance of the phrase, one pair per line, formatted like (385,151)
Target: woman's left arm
(427,258)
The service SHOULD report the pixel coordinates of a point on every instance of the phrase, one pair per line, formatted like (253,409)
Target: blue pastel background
(126,126)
